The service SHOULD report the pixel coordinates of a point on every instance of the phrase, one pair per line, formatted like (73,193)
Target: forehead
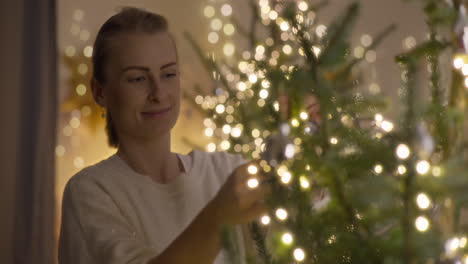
(142,49)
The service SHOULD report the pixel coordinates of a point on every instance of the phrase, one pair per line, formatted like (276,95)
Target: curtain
(28,134)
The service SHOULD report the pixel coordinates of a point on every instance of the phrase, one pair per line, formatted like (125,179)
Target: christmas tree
(349,186)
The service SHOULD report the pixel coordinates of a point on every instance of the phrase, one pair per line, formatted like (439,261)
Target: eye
(170,75)
(137,79)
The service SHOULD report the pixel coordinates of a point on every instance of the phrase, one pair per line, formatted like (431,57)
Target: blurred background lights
(299,254)
(422,167)
(281,214)
(422,224)
(209,11)
(226,10)
(252,183)
(403,151)
(265,220)
(423,201)
(287,238)
(378,169)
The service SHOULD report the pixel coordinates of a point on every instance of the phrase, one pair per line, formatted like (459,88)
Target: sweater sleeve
(94,231)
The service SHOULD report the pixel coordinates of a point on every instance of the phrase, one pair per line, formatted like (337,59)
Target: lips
(156,113)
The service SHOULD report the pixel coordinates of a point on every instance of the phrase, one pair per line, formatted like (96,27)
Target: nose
(154,93)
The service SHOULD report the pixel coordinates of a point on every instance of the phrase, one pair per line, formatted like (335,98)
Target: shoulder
(93,178)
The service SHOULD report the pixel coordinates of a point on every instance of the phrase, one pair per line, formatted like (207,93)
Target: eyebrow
(146,68)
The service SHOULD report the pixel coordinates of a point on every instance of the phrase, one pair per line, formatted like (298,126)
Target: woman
(146,204)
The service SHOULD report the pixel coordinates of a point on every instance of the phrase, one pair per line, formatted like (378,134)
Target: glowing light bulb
(252,169)
(236,132)
(220,109)
(299,254)
(422,167)
(209,11)
(387,126)
(305,184)
(289,151)
(211,147)
(294,122)
(458,63)
(303,6)
(436,171)
(286,177)
(284,26)
(403,151)
(273,15)
(229,49)
(378,169)
(401,169)
(263,94)
(287,238)
(281,214)
(226,10)
(423,201)
(216,24)
(303,115)
(265,220)
(463,242)
(422,224)
(334,140)
(252,183)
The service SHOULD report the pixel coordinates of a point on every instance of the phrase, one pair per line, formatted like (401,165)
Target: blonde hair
(128,20)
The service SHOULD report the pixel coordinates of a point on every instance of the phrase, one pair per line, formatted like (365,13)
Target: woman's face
(142,92)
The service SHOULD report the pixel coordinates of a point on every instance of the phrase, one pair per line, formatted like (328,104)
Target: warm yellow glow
(229,29)
(281,214)
(225,145)
(299,254)
(236,132)
(287,238)
(67,131)
(253,78)
(371,56)
(220,109)
(401,169)
(229,49)
(423,166)
(303,6)
(88,51)
(252,169)
(378,118)
(265,220)
(213,37)
(387,126)
(321,30)
(422,224)
(403,151)
(305,184)
(284,26)
(273,15)
(78,162)
(81,89)
(208,132)
(74,122)
(60,150)
(458,63)
(70,51)
(252,183)
(423,201)
(287,49)
(436,171)
(286,177)
(378,169)
(226,129)
(216,24)
(463,242)
(334,140)
(294,122)
(266,84)
(304,116)
(211,147)
(366,40)
(209,11)
(263,94)
(226,10)
(358,52)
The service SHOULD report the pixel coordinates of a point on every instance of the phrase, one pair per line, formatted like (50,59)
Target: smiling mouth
(156,113)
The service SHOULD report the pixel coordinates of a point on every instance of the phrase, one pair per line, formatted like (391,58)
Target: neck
(151,157)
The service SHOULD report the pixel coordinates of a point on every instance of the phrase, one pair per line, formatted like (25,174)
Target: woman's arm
(234,204)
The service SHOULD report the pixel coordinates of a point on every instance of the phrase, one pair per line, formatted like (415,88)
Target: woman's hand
(236,202)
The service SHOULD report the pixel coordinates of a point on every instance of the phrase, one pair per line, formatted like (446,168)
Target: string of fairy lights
(222,33)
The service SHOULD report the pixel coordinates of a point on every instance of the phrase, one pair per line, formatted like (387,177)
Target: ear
(98,92)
